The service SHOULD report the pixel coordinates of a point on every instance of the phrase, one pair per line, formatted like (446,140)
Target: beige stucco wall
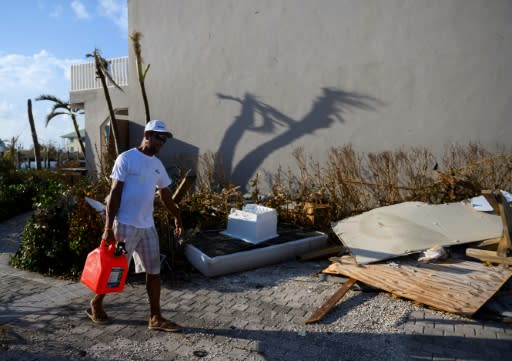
(257,79)
(96,112)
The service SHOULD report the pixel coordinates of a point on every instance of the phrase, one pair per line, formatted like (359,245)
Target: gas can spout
(120,249)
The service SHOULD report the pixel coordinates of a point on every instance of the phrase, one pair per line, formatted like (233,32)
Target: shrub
(85,229)
(44,247)
(25,190)
(14,199)
(64,228)
(61,232)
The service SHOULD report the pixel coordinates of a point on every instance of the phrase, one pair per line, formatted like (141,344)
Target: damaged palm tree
(103,73)
(61,107)
(141,73)
(37,152)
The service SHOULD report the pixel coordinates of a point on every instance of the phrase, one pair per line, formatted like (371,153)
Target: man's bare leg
(97,310)
(156,321)
(153,289)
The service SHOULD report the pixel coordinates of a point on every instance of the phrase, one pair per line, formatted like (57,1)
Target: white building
(254,80)
(71,141)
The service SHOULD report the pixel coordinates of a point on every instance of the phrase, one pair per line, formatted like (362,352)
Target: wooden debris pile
(460,282)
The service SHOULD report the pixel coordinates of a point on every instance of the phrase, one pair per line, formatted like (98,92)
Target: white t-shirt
(141,175)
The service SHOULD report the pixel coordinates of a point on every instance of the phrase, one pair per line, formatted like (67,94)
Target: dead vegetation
(350,183)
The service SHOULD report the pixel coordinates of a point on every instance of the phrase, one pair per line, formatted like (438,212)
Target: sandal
(165,325)
(100,320)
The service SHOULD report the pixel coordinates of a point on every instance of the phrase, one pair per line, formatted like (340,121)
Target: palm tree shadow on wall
(330,107)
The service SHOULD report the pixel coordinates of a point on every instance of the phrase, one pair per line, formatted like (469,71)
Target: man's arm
(166,197)
(113,203)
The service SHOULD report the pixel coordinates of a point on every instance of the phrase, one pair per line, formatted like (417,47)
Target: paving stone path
(253,315)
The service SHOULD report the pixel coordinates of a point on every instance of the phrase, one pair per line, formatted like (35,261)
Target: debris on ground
(434,254)
(461,282)
(411,227)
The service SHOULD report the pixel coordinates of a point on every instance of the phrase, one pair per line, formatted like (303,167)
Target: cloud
(26,77)
(116,11)
(37,72)
(79,10)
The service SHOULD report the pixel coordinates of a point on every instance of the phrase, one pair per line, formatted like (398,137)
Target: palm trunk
(135,37)
(145,99)
(37,153)
(113,123)
(77,130)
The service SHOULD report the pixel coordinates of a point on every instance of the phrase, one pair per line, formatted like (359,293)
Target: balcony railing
(83,76)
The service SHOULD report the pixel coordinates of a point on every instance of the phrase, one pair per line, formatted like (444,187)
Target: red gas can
(103,271)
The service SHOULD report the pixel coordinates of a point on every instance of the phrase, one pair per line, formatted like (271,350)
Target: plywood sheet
(403,228)
(458,286)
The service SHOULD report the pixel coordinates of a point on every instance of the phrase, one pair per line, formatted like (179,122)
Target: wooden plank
(457,286)
(505,244)
(488,256)
(488,243)
(489,196)
(331,302)
(185,184)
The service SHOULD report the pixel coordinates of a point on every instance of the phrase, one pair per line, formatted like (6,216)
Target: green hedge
(63,227)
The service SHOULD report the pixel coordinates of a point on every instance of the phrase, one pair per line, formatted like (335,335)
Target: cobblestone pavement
(253,315)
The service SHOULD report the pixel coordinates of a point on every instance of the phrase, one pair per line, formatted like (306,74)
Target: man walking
(136,175)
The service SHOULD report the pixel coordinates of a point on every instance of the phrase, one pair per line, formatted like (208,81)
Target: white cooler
(253,223)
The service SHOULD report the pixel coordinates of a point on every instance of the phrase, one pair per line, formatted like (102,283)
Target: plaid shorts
(142,244)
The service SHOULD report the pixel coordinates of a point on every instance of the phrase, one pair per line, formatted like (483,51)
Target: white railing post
(83,76)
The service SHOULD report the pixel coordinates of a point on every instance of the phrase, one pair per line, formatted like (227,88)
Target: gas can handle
(107,247)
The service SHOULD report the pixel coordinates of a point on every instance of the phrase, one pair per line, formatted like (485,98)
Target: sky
(40,40)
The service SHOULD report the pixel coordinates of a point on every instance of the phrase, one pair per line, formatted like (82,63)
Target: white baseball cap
(157,126)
